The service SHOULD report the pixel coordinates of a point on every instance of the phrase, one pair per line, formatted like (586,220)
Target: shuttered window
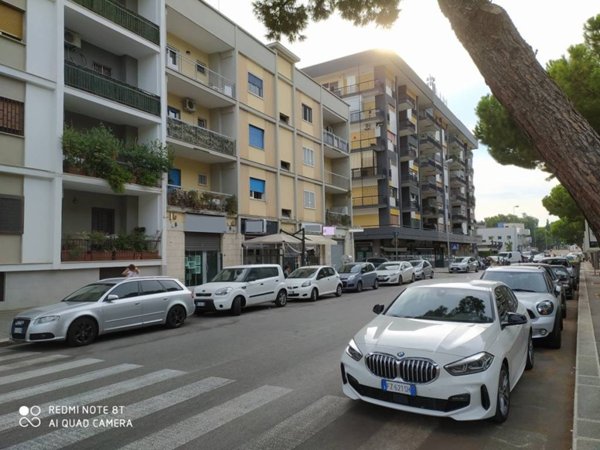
(11,214)
(12,113)
(11,21)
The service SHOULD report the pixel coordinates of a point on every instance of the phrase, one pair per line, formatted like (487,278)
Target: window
(171,286)
(257,188)
(309,199)
(173,113)
(202,123)
(284,117)
(11,21)
(257,137)
(11,214)
(102,69)
(285,165)
(255,85)
(12,116)
(309,157)
(306,113)
(200,67)
(152,287)
(126,290)
(333,86)
(172,57)
(103,219)
(287,213)
(202,179)
(174,178)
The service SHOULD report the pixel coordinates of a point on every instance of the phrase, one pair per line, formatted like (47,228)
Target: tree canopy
(530,222)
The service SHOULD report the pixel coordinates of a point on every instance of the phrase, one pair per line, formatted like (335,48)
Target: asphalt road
(268,379)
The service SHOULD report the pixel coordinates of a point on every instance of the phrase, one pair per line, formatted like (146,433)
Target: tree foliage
(530,222)
(571,220)
(566,232)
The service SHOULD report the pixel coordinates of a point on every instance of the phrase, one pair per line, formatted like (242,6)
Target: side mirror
(514,319)
(111,297)
(378,309)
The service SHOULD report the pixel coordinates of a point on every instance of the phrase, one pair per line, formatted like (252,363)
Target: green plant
(231,205)
(98,240)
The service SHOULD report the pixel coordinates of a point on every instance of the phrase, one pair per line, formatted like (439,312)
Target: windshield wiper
(523,290)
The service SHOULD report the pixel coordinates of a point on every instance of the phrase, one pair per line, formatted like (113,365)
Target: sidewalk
(6,318)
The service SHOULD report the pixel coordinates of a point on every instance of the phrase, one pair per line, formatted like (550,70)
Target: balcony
(371,86)
(200,201)
(369,172)
(408,152)
(426,119)
(409,206)
(458,179)
(366,115)
(334,218)
(406,127)
(192,70)
(409,178)
(411,223)
(337,181)
(95,246)
(370,201)
(200,137)
(431,164)
(432,211)
(124,17)
(90,81)
(335,141)
(459,213)
(406,102)
(457,196)
(428,143)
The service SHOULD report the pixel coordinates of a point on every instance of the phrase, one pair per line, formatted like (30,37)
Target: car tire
(376,284)
(431,277)
(281,299)
(338,290)
(555,339)
(359,286)
(314,295)
(530,354)
(476,269)
(413,278)
(175,317)
(400,280)
(503,396)
(236,306)
(82,331)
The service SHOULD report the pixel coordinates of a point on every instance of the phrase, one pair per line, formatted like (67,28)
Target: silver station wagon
(108,305)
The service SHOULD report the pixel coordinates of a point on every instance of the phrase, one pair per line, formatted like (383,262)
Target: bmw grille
(411,370)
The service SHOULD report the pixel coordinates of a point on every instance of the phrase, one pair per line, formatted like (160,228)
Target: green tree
(565,232)
(567,143)
(571,223)
(530,222)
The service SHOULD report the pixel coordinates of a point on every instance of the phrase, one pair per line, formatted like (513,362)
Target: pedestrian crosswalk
(169,389)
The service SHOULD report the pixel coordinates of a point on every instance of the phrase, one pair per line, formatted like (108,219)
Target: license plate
(18,330)
(199,303)
(400,388)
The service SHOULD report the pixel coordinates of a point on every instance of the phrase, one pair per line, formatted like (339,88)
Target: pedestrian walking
(131,271)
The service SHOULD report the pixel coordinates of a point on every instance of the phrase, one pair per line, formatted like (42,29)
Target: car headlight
(46,319)
(353,351)
(545,308)
(223,291)
(472,364)
(306,283)
(351,277)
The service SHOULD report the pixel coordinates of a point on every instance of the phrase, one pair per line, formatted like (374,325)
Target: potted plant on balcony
(99,246)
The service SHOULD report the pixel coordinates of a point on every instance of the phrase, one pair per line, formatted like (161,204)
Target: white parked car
(236,287)
(464,264)
(423,269)
(448,350)
(313,282)
(534,288)
(108,305)
(396,272)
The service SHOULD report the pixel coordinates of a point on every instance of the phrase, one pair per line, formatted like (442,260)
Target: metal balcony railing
(409,177)
(410,206)
(427,140)
(124,17)
(406,100)
(365,172)
(335,218)
(368,114)
(408,151)
(407,124)
(200,137)
(90,81)
(363,86)
(335,141)
(195,70)
(378,201)
(336,180)
(427,115)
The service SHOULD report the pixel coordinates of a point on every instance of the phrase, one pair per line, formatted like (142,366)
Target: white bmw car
(448,350)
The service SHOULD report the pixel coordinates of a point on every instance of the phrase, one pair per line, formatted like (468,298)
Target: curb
(5,342)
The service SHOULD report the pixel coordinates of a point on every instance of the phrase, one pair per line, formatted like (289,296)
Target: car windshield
(89,293)
(389,266)
(231,274)
(461,260)
(561,271)
(416,263)
(303,272)
(518,281)
(349,268)
(443,304)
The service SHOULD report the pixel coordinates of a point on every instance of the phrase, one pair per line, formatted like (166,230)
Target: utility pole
(396,244)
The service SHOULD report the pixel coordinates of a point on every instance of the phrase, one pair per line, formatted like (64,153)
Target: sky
(422,36)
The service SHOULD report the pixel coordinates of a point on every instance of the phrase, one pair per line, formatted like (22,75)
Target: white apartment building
(504,237)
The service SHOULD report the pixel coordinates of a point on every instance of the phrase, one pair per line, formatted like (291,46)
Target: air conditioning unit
(73,39)
(256,226)
(189,105)
(313,228)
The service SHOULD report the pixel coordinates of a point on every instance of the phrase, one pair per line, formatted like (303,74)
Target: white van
(512,257)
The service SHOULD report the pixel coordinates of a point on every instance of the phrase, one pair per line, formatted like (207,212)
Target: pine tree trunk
(565,140)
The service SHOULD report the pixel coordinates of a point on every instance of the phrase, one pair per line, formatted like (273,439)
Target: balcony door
(103,220)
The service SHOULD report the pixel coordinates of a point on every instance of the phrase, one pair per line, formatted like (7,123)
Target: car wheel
(314,295)
(476,269)
(175,317)
(359,286)
(236,306)
(281,299)
(338,290)
(400,280)
(530,354)
(431,275)
(376,284)
(503,396)
(555,339)
(82,331)
(413,278)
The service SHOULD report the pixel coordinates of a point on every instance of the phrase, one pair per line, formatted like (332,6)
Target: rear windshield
(518,281)
(349,268)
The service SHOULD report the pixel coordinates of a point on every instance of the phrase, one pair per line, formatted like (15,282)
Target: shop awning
(320,240)
(272,239)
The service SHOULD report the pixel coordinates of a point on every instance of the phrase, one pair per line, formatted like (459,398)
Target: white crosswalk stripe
(200,424)
(15,355)
(65,382)
(31,362)
(7,379)
(67,436)
(298,428)
(11,420)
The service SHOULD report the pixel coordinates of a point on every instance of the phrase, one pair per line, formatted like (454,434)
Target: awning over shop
(271,239)
(320,240)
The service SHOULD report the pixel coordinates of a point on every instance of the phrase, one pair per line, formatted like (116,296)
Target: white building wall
(40,212)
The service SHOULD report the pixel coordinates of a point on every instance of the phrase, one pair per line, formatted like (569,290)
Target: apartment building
(258,146)
(411,158)
(504,238)
(81,101)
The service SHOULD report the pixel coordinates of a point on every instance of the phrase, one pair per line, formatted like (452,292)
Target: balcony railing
(409,177)
(378,201)
(201,200)
(363,86)
(335,141)
(127,18)
(109,248)
(408,125)
(406,101)
(337,180)
(429,141)
(427,115)
(408,151)
(335,218)
(410,206)
(366,172)
(90,81)
(197,71)
(200,137)
(368,114)
(457,195)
